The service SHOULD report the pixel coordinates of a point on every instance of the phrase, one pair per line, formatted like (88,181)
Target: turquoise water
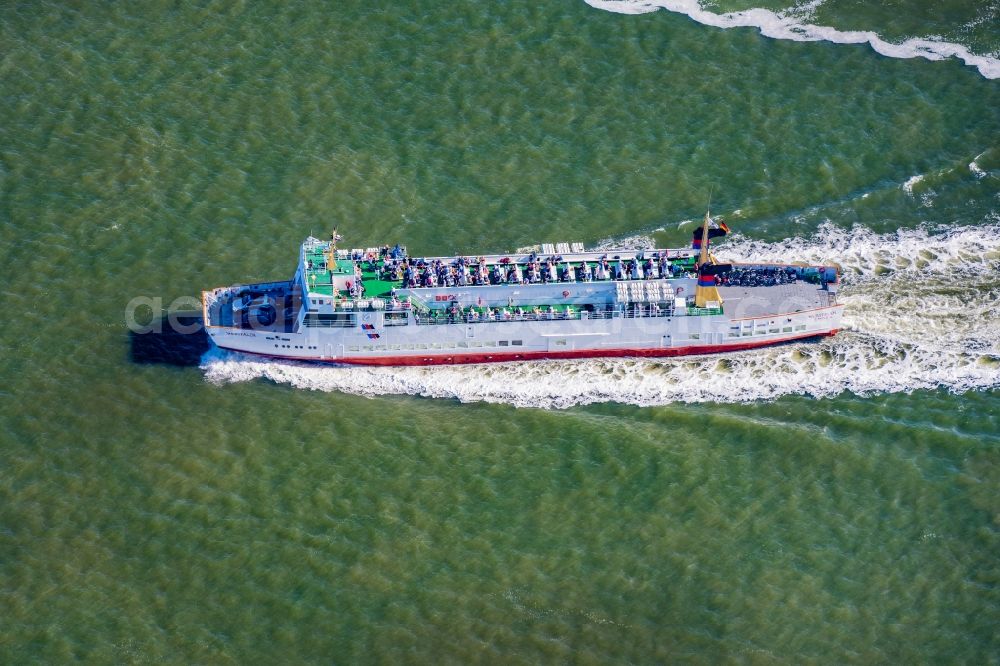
(826,503)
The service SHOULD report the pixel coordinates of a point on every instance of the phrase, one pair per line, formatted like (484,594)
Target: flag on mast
(715,230)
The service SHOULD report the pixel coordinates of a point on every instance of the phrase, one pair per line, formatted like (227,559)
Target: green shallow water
(148,514)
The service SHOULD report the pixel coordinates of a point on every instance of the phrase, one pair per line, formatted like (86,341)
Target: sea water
(818,502)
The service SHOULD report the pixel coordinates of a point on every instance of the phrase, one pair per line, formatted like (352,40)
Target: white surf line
(974,167)
(861,252)
(788,25)
(908,185)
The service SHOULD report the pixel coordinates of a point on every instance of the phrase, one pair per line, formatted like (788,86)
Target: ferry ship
(379,306)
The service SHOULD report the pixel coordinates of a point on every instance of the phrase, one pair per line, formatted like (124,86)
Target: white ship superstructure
(377,306)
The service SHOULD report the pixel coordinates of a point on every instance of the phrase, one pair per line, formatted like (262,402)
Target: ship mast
(331,257)
(704,240)
(706,292)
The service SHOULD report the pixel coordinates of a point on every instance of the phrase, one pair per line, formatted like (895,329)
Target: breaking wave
(792,24)
(922,311)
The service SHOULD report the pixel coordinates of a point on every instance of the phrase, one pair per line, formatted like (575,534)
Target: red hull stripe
(501,357)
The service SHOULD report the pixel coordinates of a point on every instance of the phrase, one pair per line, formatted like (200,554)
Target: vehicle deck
(743,302)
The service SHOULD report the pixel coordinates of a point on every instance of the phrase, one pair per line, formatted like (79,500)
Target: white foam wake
(977,170)
(792,25)
(922,311)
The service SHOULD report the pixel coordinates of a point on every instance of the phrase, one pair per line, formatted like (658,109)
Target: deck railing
(425,319)
(351,322)
(465,318)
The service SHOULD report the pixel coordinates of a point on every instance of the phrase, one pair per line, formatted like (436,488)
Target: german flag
(713,232)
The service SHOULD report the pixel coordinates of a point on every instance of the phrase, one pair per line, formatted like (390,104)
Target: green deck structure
(320,276)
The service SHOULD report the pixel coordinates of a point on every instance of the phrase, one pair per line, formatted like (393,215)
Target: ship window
(353,348)
(560,343)
(503,343)
(395,319)
(394,347)
(773,330)
(516,343)
(463,344)
(367,347)
(734,334)
(800,327)
(747,332)
(695,336)
(422,345)
(787,329)
(450,345)
(476,344)
(328,320)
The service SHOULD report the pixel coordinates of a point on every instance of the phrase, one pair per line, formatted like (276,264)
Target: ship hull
(508,357)
(499,342)
(658,314)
